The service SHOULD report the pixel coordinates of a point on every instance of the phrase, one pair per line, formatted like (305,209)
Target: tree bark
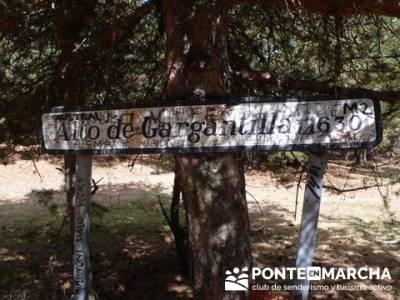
(264,80)
(69,182)
(70,87)
(68,84)
(213,185)
(179,232)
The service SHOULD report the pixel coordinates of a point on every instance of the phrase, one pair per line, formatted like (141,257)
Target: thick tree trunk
(213,185)
(216,210)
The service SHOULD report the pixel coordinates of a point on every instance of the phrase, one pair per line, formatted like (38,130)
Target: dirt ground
(355,229)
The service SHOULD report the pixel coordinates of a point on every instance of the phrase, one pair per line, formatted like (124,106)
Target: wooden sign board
(250,124)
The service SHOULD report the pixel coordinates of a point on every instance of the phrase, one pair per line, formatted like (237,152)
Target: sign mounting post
(82,269)
(309,219)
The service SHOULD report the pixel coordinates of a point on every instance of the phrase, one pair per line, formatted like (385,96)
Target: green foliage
(58,209)
(356,51)
(36,54)
(275,161)
(124,217)
(98,209)
(8,277)
(279,161)
(167,162)
(391,138)
(46,198)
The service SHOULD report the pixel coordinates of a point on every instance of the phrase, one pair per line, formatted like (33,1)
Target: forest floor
(132,249)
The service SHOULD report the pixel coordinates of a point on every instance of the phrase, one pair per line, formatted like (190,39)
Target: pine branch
(331,7)
(113,34)
(262,79)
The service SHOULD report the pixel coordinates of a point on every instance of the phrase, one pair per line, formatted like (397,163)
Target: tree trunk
(70,87)
(213,185)
(69,182)
(68,84)
(71,100)
(179,232)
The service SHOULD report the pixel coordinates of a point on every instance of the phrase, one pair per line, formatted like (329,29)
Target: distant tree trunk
(179,231)
(68,84)
(361,157)
(69,182)
(213,185)
(70,87)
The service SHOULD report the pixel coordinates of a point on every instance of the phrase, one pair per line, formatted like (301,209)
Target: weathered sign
(286,124)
